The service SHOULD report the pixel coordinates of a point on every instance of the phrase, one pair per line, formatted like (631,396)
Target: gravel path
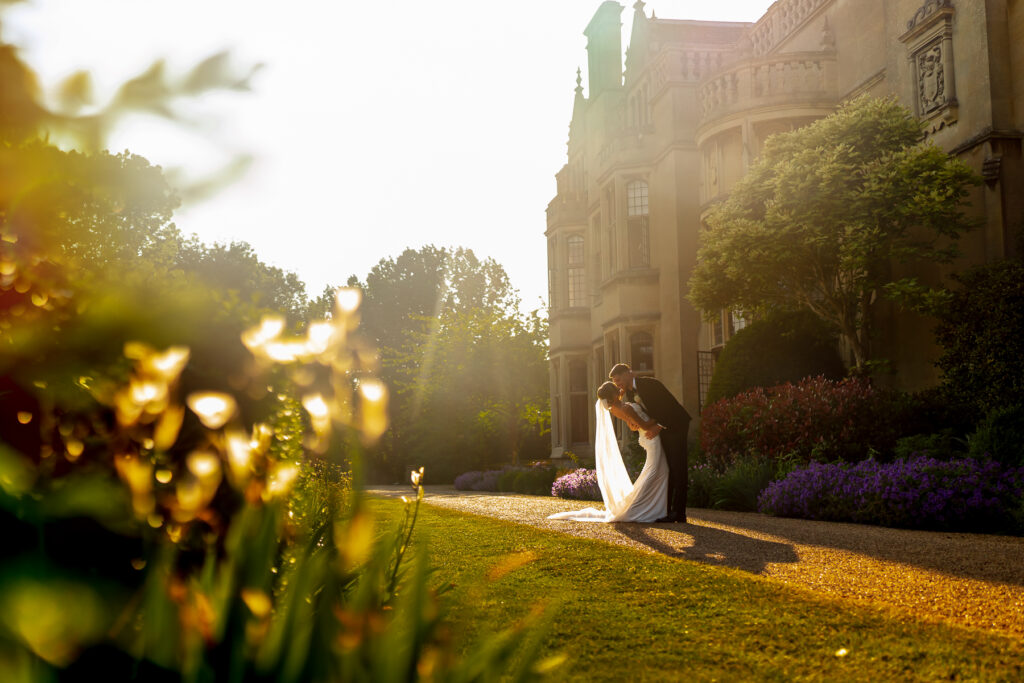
(966,579)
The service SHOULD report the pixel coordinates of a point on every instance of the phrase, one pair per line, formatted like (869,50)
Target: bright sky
(374,126)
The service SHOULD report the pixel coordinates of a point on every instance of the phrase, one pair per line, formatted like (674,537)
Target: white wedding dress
(645,500)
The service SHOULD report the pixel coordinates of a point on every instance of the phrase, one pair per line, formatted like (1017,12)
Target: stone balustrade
(796,79)
(779,21)
(680,65)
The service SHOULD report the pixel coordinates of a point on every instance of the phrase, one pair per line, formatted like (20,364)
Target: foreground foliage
(624,615)
(177,457)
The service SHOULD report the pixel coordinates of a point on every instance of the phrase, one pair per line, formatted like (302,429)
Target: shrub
(933,411)
(507,479)
(1000,436)
(702,480)
(535,479)
(922,493)
(740,485)
(488,481)
(579,484)
(979,330)
(941,446)
(815,419)
(785,347)
(468,480)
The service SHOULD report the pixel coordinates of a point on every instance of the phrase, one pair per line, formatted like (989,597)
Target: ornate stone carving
(927,9)
(931,79)
(929,41)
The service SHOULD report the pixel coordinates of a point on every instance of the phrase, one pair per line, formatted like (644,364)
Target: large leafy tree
(471,392)
(826,212)
(467,372)
(403,293)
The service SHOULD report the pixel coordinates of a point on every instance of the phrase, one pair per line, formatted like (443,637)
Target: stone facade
(653,146)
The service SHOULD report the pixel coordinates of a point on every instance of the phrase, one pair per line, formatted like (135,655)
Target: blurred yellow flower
(213,408)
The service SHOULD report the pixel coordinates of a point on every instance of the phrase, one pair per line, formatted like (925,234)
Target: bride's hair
(608,391)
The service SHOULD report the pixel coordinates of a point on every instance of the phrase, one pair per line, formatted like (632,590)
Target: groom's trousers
(674,442)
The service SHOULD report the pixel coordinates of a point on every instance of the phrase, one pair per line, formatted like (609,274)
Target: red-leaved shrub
(816,419)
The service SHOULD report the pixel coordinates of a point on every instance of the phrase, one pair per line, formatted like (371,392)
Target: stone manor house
(651,147)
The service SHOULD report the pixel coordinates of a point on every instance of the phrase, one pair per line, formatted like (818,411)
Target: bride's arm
(620,412)
(633,419)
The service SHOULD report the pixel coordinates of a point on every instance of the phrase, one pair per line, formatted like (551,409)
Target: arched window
(576,271)
(552,279)
(641,352)
(636,226)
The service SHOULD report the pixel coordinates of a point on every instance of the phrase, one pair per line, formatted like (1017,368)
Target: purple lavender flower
(919,492)
(580,484)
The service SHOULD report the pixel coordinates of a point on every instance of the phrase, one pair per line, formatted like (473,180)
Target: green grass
(624,615)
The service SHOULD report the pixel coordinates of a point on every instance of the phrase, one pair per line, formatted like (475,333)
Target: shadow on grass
(981,557)
(712,546)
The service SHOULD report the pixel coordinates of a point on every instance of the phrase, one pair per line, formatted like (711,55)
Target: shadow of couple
(710,546)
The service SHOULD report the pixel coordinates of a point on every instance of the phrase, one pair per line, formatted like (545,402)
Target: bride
(646,500)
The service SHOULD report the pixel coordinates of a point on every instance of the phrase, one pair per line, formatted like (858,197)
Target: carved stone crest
(931,79)
(929,41)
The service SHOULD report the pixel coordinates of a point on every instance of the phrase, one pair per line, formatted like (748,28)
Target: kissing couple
(659,493)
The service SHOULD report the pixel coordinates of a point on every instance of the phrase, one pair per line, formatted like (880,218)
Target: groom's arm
(656,394)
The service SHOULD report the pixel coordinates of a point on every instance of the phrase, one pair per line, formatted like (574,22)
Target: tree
(420,285)
(236,267)
(471,392)
(824,214)
(979,328)
(466,372)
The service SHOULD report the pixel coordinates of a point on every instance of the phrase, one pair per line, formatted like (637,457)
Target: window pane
(738,321)
(636,198)
(639,247)
(577,277)
(575,250)
(642,352)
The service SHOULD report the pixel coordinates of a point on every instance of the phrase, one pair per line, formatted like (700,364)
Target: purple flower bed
(580,484)
(488,481)
(478,481)
(468,480)
(918,493)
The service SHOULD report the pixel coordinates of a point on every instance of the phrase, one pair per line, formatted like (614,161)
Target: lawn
(624,615)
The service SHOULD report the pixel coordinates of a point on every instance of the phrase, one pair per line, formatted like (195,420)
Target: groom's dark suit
(661,405)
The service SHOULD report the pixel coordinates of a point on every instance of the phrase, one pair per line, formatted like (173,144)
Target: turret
(604,49)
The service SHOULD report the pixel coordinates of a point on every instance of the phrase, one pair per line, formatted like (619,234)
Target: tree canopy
(824,213)
(424,284)
(466,371)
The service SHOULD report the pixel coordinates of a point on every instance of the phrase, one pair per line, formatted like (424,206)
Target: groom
(673,425)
